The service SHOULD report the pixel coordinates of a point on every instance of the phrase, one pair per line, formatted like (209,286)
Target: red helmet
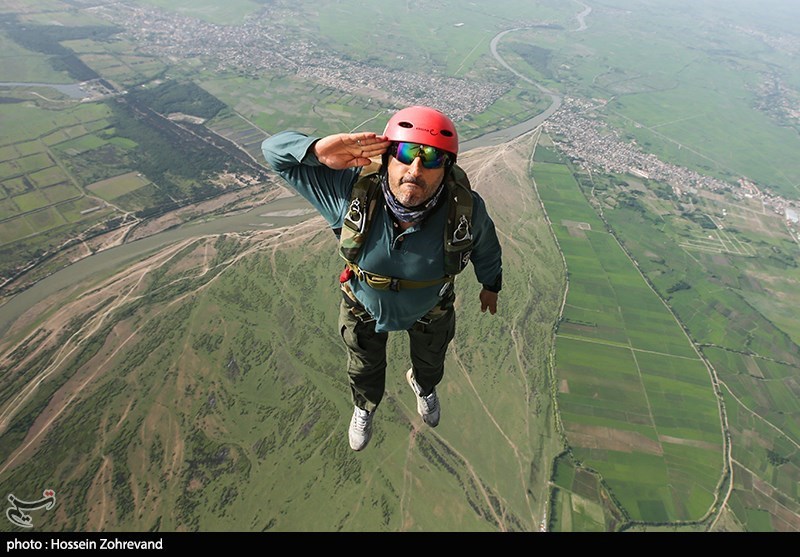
(420,124)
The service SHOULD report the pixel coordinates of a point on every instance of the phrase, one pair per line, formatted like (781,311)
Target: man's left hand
(488,301)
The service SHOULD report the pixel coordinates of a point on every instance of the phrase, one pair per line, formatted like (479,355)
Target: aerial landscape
(168,306)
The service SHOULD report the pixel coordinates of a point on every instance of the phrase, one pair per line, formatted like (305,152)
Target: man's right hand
(344,150)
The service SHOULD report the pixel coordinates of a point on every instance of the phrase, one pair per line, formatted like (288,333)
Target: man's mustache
(412,180)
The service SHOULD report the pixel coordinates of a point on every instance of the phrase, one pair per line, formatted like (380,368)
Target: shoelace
(431,402)
(361,421)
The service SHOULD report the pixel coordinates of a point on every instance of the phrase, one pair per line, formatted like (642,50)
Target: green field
(22,65)
(118,186)
(635,399)
(43,205)
(733,303)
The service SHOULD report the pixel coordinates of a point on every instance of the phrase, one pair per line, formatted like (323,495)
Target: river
(295,208)
(268,215)
(512,132)
(73,90)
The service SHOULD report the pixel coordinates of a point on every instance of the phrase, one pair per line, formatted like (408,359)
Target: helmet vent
(446,133)
(405,124)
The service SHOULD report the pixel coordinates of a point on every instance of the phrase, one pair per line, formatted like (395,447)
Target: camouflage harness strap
(380,282)
(439,310)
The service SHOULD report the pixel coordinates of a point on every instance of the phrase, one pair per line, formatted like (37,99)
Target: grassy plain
(118,186)
(23,66)
(214,398)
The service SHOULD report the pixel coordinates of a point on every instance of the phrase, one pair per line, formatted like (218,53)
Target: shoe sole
(357,449)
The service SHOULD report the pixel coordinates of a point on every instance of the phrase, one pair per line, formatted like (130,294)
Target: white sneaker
(360,430)
(427,406)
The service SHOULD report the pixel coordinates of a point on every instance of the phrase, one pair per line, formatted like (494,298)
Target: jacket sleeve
(486,253)
(290,154)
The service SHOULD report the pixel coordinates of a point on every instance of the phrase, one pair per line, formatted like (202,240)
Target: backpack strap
(360,211)
(458,232)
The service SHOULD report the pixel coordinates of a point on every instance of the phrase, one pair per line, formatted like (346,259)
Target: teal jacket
(415,254)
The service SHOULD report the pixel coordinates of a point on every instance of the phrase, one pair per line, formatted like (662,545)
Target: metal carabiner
(355,214)
(462,231)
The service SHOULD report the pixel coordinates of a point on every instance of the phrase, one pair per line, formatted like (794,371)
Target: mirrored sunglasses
(431,156)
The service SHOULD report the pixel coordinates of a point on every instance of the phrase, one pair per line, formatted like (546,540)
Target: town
(592,145)
(258,47)
(261,46)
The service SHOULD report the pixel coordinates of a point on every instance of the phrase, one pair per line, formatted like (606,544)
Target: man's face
(413,184)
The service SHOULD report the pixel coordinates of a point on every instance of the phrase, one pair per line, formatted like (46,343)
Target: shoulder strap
(359,213)
(458,232)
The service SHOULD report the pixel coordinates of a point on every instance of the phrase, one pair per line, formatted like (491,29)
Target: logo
(16,512)
(429,130)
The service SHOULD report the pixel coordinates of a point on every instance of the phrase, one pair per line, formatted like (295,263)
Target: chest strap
(380,282)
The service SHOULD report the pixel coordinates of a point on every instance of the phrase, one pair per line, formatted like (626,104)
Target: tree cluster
(184,97)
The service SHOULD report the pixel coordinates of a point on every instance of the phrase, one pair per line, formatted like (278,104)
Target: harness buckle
(394,285)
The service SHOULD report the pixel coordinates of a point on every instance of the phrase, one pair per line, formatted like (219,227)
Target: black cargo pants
(366,350)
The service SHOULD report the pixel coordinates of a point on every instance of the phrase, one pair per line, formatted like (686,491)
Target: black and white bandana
(409,214)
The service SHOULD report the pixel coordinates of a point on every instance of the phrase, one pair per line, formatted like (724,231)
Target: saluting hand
(343,150)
